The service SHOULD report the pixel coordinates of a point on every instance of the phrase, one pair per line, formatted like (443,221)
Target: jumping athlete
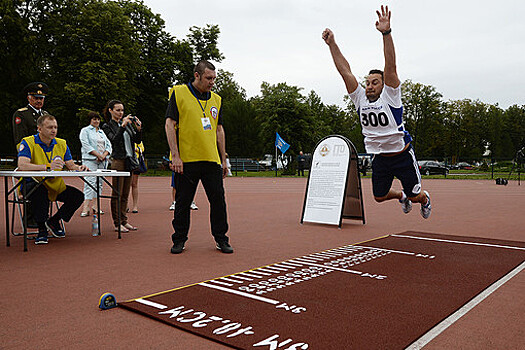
(381,115)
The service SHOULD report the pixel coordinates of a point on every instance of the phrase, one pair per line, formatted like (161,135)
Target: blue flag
(281,144)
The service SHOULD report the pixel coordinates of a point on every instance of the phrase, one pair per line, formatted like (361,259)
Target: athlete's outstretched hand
(383,22)
(328,36)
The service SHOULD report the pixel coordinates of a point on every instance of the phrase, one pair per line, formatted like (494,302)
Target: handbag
(142,164)
(132,164)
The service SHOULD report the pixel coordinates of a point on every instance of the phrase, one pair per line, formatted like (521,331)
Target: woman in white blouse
(96,149)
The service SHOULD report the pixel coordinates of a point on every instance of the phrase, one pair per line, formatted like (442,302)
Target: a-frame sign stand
(333,191)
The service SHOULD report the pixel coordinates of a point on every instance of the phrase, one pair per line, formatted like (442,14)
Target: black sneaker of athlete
(224,247)
(177,248)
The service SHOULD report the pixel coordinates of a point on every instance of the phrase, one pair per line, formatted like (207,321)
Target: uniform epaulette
(22,109)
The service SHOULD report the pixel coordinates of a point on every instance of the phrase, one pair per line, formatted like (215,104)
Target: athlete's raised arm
(342,65)
(383,25)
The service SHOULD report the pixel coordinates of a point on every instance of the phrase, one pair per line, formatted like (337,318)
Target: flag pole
(275,161)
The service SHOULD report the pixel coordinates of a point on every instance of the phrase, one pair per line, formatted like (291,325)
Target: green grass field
(454,175)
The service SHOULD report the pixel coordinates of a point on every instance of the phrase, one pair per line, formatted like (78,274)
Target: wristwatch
(48,167)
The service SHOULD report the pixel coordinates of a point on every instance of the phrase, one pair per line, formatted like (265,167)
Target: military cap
(37,89)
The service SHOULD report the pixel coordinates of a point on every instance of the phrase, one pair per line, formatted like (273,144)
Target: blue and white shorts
(402,166)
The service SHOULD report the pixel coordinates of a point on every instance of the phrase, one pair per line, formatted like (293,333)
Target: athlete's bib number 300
(374,120)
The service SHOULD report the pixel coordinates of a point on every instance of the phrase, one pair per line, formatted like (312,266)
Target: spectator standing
(193,206)
(301,164)
(197,142)
(139,150)
(123,133)
(45,152)
(96,149)
(228,164)
(25,119)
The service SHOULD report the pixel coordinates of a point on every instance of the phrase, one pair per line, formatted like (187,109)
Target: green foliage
(91,51)
(281,108)
(423,119)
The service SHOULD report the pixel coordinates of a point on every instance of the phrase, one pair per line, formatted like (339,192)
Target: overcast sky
(465,49)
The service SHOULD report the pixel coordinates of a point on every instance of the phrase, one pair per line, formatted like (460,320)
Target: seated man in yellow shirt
(45,152)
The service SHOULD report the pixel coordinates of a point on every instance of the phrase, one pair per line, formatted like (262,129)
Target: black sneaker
(41,240)
(224,247)
(55,230)
(177,248)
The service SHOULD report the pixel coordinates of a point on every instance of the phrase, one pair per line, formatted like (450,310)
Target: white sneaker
(406,205)
(426,209)
(172,206)
(194,206)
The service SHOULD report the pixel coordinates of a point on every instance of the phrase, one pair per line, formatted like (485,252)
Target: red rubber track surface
(50,293)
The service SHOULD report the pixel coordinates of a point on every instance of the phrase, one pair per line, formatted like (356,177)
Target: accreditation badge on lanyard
(206,124)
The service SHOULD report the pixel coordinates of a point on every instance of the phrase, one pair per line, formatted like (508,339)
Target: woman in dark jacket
(123,132)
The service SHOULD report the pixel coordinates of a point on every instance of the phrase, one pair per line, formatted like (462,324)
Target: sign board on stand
(333,191)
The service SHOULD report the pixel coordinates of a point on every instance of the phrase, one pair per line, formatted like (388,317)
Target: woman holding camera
(123,132)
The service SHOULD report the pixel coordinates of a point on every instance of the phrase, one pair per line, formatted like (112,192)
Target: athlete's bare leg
(420,198)
(392,194)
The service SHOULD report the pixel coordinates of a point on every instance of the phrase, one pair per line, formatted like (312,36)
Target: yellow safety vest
(54,185)
(197,126)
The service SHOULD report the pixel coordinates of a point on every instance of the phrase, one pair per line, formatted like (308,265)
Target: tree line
(91,51)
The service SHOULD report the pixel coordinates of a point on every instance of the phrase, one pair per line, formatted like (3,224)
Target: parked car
(462,165)
(430,167)
(267,161)
(245,164)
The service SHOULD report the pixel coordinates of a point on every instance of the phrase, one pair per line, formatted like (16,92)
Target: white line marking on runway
(268,269)
(447,322)
(277,268)
(321,256)
(330,253)
(460,242)
(257,272)
(335,268)
(293,265)
(249,275)
(231,280)
(391,250)
(223,283)
(256,297)
(312,257)
(306,260)
(243,278)
(151,303)
(325,256)
(286,268)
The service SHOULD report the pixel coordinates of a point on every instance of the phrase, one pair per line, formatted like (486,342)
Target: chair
(17,215)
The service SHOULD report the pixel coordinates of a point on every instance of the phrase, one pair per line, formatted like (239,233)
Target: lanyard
(45,153)
(194,94)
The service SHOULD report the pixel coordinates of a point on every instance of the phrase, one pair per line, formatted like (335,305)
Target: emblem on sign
(324,150)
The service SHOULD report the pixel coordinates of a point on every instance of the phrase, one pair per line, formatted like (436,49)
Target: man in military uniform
(24,119)
(25,122)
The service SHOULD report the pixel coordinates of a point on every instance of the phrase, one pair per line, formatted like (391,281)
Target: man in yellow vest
(45,152)
(197,144)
